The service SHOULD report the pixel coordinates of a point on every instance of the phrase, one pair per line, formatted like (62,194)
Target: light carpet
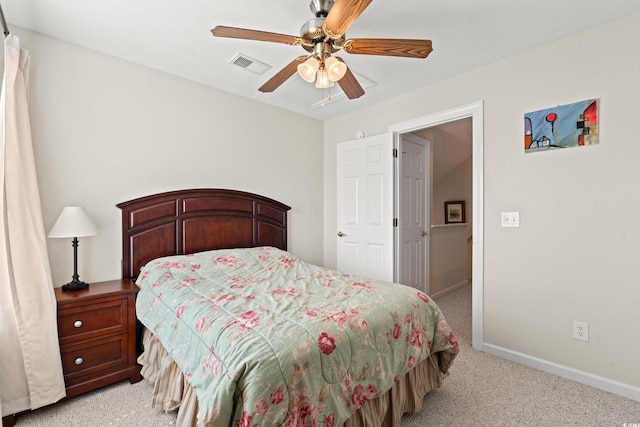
(482,390)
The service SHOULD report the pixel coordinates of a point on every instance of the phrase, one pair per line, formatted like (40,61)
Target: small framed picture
(454,212)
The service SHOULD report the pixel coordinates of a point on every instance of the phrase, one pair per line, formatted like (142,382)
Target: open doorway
(474,213)
(449,185)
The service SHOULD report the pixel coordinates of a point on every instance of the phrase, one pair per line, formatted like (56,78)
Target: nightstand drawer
(88,357)
(92,320)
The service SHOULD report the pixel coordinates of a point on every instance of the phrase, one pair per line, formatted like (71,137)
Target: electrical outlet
(581,331)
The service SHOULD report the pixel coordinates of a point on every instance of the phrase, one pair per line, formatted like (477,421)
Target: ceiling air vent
(250,64)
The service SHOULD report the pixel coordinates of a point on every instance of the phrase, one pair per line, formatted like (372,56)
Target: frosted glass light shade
(323,81)
(307,70)
(335,69)
(73,222)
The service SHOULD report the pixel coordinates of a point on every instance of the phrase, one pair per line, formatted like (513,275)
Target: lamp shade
(73,222)
(323,81)
(336,69)
(307,70)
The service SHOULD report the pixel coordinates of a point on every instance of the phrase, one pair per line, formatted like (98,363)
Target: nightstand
(97,333)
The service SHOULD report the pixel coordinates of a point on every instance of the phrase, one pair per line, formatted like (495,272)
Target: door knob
(341,234)
(424,233)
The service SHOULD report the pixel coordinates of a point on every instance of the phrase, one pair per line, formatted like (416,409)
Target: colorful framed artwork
(564,126)
(454,212)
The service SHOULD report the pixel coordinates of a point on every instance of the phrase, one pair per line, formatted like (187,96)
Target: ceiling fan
(322,37)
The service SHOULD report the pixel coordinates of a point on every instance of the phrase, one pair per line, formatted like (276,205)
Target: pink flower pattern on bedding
(267,339)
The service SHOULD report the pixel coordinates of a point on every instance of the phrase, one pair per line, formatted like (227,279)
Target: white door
(413,215)
(365,207)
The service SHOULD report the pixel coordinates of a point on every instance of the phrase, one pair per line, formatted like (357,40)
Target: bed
(238,331)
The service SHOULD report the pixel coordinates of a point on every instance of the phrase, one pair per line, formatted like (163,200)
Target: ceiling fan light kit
(322,37)
(328,68)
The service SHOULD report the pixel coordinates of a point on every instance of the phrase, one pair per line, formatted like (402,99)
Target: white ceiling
(174,36)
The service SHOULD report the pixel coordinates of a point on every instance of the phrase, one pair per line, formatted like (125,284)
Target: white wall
(575,255)
(106,131)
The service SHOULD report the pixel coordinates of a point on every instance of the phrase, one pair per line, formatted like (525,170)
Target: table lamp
(74,222)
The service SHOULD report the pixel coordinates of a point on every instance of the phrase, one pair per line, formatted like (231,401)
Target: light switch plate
(511,219)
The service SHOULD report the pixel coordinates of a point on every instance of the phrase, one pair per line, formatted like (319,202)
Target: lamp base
(76,285)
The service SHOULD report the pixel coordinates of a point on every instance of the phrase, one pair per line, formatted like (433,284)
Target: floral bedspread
(266,339)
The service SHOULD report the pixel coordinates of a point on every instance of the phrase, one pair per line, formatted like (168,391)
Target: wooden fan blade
(264,36)
(408,48)
(282,76)
(349,84)
(343,13)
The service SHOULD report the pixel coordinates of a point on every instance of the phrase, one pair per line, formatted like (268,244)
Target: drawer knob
(79,361)
(77,323)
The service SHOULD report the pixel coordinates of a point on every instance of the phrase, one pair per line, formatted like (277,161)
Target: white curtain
(30,366)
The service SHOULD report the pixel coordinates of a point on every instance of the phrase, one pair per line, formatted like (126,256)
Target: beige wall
(448,258)
(106,131)
(449,245)
(456,185)
(575,255)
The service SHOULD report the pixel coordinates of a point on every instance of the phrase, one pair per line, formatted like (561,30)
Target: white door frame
(475,111)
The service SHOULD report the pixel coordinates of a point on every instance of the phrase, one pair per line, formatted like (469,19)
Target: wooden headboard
(188,221)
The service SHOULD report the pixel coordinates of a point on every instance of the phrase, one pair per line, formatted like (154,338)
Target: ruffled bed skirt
(172,392)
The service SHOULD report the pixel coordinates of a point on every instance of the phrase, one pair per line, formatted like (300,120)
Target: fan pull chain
(328,96)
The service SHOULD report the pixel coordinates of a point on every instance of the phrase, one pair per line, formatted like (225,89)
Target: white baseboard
(602,383)
(449,289)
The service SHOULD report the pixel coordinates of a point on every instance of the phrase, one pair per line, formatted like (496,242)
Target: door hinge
(395,222)
(395,152)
